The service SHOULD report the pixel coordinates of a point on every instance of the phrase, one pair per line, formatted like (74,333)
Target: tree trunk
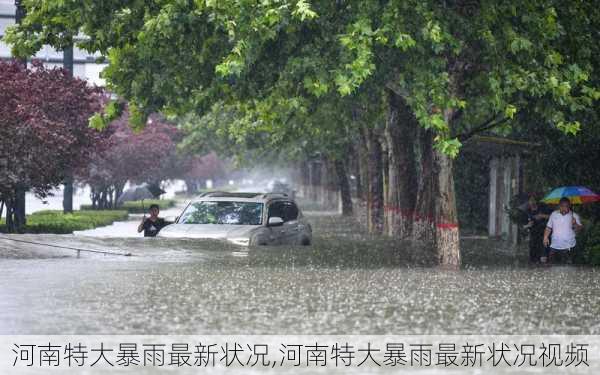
(15,212)
(19,210)
(191,186)
(119,187)
(385,169)
(344,187)
(110,196)
(423,229)
(102,200)
(374,182)
(95,197)
(446,222)
(355,167)
(316,180)
(447,241)
(10,215)
(304,179)
(68,195)
(362,174)
(400,134)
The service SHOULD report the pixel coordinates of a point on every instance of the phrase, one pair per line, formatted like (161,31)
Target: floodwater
(346,283)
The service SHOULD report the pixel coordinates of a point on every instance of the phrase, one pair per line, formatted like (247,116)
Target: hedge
(55,221)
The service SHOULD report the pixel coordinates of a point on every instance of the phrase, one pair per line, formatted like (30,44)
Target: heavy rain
(347,282)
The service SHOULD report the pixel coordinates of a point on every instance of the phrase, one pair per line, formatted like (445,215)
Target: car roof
(228,196)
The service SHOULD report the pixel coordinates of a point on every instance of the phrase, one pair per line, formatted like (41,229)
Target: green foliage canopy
(462,66)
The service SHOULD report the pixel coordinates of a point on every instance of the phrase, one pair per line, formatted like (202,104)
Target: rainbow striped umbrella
(576,194)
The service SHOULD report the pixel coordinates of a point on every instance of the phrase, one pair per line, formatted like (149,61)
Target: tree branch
(487,125)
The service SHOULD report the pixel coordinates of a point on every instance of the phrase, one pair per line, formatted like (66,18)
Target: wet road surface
(346,283)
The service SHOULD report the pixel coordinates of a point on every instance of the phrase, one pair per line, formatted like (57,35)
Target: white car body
(289,228)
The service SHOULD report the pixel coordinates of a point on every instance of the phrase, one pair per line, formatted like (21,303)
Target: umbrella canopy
(154,189)
(576,194)
(137,193)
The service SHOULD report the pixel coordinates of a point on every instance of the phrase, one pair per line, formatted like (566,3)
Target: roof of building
(493,145)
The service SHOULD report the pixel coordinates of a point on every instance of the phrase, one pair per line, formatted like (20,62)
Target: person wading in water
(537,217)
(153,224)
(562,225)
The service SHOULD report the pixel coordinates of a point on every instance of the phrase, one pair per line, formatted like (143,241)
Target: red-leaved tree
(149,155)
(44,117)
(199,169)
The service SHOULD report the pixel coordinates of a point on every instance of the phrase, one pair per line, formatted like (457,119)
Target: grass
(54,221)
(135,207)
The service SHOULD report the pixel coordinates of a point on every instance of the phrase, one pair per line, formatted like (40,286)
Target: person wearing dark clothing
(153,224)
(537,217)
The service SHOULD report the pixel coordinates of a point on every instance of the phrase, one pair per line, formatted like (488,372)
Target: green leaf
(303,11)
(510,111)
(97,122)
(450,147)
(404,42)
(571,128)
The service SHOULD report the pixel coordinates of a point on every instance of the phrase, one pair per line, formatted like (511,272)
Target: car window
(215,212)
(277,209)
(290,211)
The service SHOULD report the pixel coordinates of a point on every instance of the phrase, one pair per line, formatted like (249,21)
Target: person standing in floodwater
(537,217)
(153,224)
(563,225)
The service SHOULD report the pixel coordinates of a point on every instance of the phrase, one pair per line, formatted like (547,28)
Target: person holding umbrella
(153,224)
(564,223)
(560,232)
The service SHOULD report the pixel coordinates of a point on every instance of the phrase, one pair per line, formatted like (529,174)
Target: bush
(588,245)
(135,207)
(54,221)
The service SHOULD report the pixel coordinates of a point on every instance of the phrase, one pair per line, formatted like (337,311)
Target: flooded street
(344,283)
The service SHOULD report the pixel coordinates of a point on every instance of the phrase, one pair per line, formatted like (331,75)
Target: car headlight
(240,241)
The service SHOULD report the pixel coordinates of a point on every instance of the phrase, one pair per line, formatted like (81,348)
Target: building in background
(85,65)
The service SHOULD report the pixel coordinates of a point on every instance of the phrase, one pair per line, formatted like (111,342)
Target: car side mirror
(275,221)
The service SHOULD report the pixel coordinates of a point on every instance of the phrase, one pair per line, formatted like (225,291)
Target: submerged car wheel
(305,241)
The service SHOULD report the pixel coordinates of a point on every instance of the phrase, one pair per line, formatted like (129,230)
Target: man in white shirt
(563,225)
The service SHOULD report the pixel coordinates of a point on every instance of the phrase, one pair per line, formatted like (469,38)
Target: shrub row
(54,221)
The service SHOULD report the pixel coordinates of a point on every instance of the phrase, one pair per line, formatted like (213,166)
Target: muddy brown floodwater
(345,283)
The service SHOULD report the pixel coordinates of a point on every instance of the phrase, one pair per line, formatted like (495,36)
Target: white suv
(242,218)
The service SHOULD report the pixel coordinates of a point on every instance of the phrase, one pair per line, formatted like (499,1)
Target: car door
(291,229)
(276,235)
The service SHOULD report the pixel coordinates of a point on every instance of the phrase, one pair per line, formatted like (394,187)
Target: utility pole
(19,207)
(19,11)
(68,182)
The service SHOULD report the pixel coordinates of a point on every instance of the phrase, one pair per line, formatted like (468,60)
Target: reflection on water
(345,283)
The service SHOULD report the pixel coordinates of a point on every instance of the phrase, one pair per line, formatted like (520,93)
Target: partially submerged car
(246,219)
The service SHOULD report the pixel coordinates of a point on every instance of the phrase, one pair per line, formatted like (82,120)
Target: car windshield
(225,212)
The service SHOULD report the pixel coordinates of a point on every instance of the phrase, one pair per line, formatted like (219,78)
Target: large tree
(416,77)
(44,130)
